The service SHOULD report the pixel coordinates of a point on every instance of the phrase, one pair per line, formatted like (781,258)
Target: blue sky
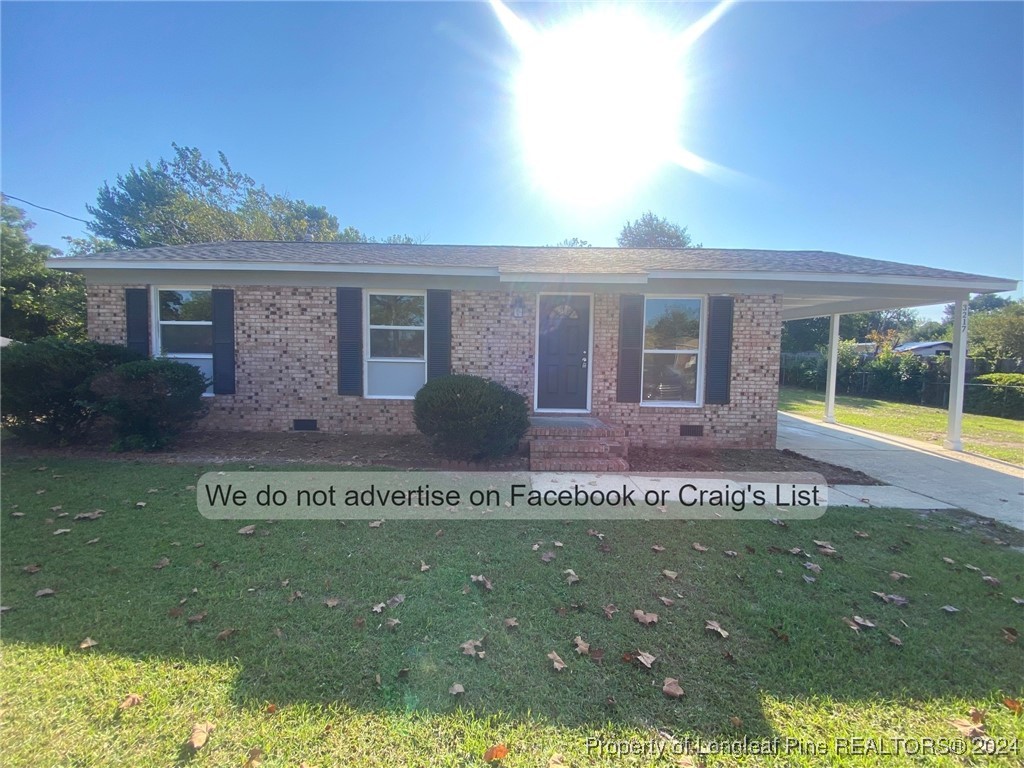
(886,130)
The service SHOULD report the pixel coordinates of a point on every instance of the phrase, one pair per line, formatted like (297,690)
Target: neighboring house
(926,348)
(670,346)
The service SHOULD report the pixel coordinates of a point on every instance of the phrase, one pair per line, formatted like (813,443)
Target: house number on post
(963,317)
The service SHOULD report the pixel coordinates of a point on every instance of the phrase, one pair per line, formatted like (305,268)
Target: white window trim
(699,352)
(536,352)
(156,322)
(367,359)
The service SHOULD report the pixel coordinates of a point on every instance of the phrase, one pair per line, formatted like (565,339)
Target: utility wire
(44,208)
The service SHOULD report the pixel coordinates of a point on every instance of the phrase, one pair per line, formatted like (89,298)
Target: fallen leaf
(496,752)
(96,514)
(359,623)
(666,601)
(482,581)
(670,575)
(89,643)
(45,592)
(224,634)
(570,576)
(860,620)
(511,623)
(332,602)
(991,580)
(255,758)
(778,522)
(140,505)
(296,595)
(779,634)
(582,646)
(392,624)
(61,531)
(671,688)
(950,609)
(556,661)
(558,544)
(93,541)
(469,648)
(827,551)
(196,618)
(423,566)
(809,579)
(162,563)
(699,547)
(714,626)
(379,607)
(609,610)
(557,760)
(547,557)
(862,534)
(596,534)
(1018,600)
(727,655)
(247,530)
(597,654)
(826,544)
(949,561)
(735,722)
(657,548)
(851,624)
(645,618)
(396,600)
(17,514)
(795,551)
(894,640)
(970,567)
(731,553)
(466,589)
(32,568)
(977,716)
(1013,705)
(898,576)
(968,728)
(131,700)
(376,523)
(645,658)
(535,547)
(456,689)
(200,733)
(813,567)
(1010,635)
(176,612)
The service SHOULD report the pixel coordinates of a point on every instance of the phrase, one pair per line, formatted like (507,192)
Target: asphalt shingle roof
(521,259)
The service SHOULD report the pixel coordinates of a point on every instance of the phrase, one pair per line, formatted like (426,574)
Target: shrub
(996,394)
(45,386)
(150,401)
(468,417)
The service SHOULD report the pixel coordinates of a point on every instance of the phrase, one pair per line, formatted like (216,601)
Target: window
(672,359)
(184,327)
(396,360)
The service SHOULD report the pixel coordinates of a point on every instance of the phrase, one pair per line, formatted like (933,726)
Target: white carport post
(830,375)
(958,364)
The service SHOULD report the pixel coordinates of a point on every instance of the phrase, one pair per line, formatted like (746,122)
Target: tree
(812,333)
(650,231)
(999,333)
(572,242)
(35,301)
(188,199)
(981,303)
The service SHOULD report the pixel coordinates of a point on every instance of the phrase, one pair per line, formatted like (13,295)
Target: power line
(44,208)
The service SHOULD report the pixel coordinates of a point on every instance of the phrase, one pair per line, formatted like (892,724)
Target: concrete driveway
(982,486)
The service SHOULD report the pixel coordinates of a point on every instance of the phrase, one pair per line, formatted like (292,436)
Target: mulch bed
(414,452)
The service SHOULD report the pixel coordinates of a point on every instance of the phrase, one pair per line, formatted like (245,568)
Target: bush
(468,417)
(996,394)
(150,401)
(45,387)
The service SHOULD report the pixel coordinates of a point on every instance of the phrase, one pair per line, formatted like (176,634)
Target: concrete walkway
(915,471)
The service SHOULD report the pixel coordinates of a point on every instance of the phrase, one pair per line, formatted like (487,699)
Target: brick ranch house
(659,346)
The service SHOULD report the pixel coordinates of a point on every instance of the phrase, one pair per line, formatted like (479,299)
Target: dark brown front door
(563,343)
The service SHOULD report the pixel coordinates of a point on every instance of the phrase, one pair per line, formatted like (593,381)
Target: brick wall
(286,357)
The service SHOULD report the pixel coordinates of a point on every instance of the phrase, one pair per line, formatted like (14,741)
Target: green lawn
(305,682)
(986,435)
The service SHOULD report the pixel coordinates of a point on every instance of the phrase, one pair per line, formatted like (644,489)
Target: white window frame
(157,323)
(699,352)
(367,358)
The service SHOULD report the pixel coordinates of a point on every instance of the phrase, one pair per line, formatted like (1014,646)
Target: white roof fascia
(269,266)
(974,285)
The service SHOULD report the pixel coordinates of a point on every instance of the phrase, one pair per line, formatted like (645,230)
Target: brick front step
(566,464)
(596,448)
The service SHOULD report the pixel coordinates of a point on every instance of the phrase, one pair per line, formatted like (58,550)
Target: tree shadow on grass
(787,636)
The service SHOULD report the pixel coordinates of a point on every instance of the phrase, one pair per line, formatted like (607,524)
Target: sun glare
(599,99)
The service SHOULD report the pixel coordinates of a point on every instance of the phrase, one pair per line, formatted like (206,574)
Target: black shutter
(631,348)
(136,310)
(223,341)
(718,366)
(439,334)
(350,341)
